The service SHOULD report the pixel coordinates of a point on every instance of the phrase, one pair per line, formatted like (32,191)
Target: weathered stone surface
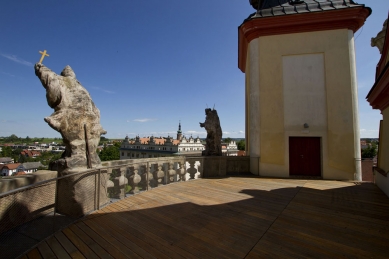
(214,133)
(379,40)
(78,120)
(73,108)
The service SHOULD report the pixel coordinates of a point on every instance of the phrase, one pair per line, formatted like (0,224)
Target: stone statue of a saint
(75,117)
(214,133)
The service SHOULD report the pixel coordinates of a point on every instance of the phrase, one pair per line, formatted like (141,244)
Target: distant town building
(159,147)
(6,160)
(230,149)
(9,169)
(29,167)
(150,147)
(30,153)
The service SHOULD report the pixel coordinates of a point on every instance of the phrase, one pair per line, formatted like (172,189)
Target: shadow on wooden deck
(237,217)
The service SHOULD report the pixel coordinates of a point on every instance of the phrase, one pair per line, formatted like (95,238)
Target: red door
(304,156)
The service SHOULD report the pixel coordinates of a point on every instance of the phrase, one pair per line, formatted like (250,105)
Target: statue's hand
(202,125)
(38,66)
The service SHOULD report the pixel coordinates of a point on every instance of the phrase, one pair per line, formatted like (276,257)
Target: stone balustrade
(81,193)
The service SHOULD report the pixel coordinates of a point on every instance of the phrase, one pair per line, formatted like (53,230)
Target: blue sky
(146,64)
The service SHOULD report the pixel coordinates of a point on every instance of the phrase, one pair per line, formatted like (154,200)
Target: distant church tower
(179,132)
(302,117)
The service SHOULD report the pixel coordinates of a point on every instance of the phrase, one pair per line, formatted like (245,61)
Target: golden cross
(43,55)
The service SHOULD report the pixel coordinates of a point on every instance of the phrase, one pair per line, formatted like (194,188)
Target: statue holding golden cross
(43,56)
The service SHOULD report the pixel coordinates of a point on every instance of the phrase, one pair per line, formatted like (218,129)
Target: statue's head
(208,110)
(68,72)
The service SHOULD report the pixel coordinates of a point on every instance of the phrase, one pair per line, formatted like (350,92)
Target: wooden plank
(154,240)
(234,217)
(45,250)
(178,235)
(34,254)
(90,242)
(79,244)
(104,233)
(69,247)
(202,228)
(57,249)
(126,237)
(113,251)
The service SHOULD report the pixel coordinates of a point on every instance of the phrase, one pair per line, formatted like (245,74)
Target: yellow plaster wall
(339,147)
(247,108)
(383,162)
(383,159)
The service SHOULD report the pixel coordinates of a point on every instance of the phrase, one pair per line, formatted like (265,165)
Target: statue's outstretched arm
(50,82)
(44,74)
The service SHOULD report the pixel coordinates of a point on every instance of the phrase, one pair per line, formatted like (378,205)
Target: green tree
(227,140)
(110,153)
(241,144)
(12,138)
(370,151)
(6,152)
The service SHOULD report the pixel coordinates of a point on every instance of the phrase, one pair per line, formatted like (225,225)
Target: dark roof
(5,159)
(287,7)
(31,165)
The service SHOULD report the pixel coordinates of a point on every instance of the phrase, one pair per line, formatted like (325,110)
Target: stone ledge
(13,182)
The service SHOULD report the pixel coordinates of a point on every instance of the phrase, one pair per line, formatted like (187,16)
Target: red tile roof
(158,141)
(12,166)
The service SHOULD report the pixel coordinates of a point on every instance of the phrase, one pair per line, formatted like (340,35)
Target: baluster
(159,174)
(171,172)
(148,176)
(200,168)
(181,172)
(109,184)
(134,180)
(120,184)
(192,170)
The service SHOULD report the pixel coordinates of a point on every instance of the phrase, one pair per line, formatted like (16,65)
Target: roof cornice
(350,18)
(378,96)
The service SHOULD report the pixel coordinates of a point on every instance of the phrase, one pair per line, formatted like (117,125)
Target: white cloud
(241,132)
(144,120)
(9,121)
(17,60)
(103,90)
(8,74)
(226,132)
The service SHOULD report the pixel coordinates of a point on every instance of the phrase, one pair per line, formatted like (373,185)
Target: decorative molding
(352,19)
(378,96)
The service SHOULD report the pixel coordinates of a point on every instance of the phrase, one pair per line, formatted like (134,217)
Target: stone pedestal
(80,194)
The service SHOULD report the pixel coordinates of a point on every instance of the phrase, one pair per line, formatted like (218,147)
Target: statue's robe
(73,108)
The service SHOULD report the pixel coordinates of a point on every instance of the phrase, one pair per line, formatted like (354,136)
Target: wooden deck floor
(233,218)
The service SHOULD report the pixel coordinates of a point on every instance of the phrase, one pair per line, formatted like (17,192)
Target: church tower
(179,132)
(298,57)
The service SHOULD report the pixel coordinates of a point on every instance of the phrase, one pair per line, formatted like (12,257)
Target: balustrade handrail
(7,193)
